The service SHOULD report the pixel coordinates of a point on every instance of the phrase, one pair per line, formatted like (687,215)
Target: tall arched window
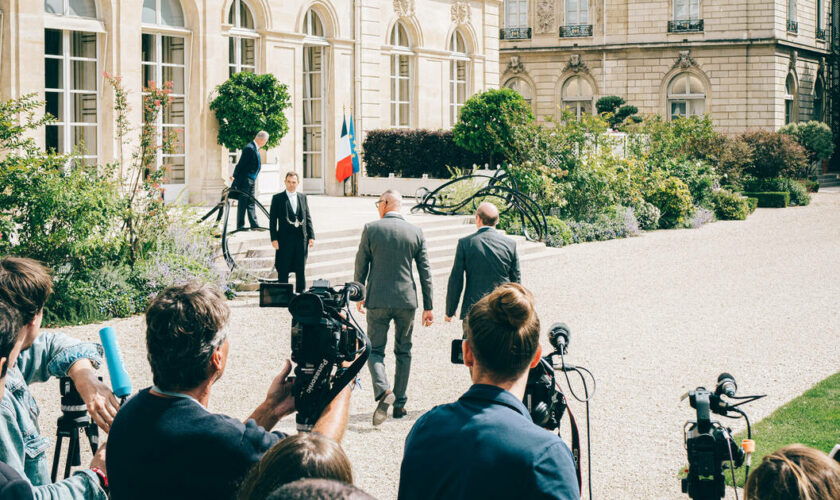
(400,77)
(819,100)
(521,86)
(686,96)
(70,81)
(164,59)
(458,75)
(314,80)
(576,96)
(791,114)
(242,41)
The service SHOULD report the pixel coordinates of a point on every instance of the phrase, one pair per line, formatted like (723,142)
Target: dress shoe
(381,412)
(399,412)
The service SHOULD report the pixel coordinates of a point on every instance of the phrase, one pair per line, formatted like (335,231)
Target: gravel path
(652,317)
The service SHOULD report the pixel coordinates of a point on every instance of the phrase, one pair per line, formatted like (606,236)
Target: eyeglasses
(378,202)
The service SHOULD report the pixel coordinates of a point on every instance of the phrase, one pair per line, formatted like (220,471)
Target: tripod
(74,417)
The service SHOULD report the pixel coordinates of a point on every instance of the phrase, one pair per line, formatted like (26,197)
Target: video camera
(709,444)
(325,336)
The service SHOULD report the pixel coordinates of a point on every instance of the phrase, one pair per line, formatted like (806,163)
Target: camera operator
(794,472)
(164,442)
(25,285)
(485,445)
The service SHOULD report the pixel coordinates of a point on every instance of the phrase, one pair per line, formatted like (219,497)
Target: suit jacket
(384,260)
(489,259)
(249,164)
(279,217)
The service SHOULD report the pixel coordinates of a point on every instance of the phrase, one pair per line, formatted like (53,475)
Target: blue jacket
(486,446)
(249,164)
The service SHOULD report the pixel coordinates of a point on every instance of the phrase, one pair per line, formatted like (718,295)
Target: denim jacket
(22,446)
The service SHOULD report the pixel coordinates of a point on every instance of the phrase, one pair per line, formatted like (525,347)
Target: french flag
(344,166)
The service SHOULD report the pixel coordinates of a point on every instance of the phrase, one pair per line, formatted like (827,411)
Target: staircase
(334,255)
(829,180)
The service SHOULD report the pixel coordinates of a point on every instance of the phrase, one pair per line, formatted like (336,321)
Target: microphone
(559,336)
(120,382)
(726,385)
(356,289)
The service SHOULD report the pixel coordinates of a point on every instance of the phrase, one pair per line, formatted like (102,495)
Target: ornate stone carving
(794,57)
(684,60)
(545,16)
(576,65)
(515,65)
(460,12)
(404,8)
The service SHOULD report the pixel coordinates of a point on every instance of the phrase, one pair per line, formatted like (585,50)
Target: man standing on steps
(384,259)
(245,178)
(290,226)
(487,257)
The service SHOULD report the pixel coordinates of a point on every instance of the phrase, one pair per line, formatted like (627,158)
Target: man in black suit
(291,232)
(487,257)
(245,177)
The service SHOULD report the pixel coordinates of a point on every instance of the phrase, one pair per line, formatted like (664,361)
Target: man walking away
(487,257)
(291,231)
(245,177)
(384,260)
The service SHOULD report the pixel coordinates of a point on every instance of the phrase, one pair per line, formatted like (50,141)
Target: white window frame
(576,101)
(237,34)
(509,85)
(66,10)
(396,100)
(516,13)
(686,99)
(577,14)
(690,7)
(791,11)
(458,59)
(314,41)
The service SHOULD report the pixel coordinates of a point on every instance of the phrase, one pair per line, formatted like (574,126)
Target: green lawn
(812,419)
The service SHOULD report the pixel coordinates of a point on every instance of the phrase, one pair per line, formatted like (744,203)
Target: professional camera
(324,338)
(710,446)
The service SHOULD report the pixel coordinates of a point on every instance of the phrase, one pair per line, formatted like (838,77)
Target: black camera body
(323,339)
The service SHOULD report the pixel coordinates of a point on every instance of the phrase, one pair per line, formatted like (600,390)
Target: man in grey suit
(487,257)
(384,260)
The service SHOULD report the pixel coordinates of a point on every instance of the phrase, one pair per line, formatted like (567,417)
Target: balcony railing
(793,26)
(515,34)
(821,35)
(685,26)
(575,30)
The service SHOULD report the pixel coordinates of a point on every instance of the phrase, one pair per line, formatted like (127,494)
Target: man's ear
(3,362)
(216,359)
(469,357)
(537,356)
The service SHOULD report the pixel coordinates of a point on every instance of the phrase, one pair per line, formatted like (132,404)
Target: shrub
(614,109)
(490,121)
(770,199)
(414,152)
(698,175)
(810,186)
(647,215)
(618,222)
(814,136)
(673,199)
(798,194)
(730,206)
(728,154)
(699,217)
(247,103)
(752,203)
(775,155)
(674,140)
(559,232)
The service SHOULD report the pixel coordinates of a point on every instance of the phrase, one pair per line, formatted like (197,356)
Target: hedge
(730,206)
(753,203)
(771,199)
(414,152)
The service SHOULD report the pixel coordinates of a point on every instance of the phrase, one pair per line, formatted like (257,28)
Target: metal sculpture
(222,211)
(500,186)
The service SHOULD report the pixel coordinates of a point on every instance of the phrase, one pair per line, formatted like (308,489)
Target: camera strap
(575,446)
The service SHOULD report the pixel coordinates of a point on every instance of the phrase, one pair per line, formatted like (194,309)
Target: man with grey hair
(487,257)
(164,440)
(244,179)
(384,260)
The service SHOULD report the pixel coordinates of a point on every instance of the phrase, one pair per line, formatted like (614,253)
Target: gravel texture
(652,317)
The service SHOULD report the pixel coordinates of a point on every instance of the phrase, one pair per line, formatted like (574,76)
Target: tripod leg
(56,455)
(73,456)
(92,432)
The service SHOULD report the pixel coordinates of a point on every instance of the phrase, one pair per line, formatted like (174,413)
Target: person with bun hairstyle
(794,472)
(485,445)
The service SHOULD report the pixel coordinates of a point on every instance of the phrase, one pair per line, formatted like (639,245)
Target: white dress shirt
(293,201)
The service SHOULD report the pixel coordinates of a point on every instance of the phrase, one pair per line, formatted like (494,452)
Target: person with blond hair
(794,472)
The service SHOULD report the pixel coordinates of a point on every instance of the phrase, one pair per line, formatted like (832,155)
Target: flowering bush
(673,199)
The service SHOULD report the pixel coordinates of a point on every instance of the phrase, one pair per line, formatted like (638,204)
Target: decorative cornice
(576,65)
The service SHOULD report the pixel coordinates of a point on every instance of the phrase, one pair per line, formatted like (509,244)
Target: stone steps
(829,180)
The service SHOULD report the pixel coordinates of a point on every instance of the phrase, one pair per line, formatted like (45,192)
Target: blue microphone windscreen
(120,382)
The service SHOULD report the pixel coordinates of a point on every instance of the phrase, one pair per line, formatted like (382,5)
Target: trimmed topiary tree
(248,103)
(618,111)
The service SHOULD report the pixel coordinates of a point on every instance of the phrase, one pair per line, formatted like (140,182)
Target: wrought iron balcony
(685,26)
(515,34)
(575,30)
(793,26)
(821,35)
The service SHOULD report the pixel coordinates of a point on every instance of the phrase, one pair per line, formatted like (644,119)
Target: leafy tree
(814,136)
(492,122)
(612,107)
(248,103)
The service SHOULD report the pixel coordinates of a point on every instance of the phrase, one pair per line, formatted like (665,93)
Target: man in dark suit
(290,225)
(245,177)
(384,260)
(487,257)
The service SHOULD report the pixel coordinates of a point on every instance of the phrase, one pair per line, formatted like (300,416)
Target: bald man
(244,179)
(487,257)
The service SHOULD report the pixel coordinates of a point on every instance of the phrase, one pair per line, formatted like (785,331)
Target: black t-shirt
(161,448)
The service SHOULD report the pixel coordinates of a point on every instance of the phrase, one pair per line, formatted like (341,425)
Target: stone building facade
(746,63)
(394,63)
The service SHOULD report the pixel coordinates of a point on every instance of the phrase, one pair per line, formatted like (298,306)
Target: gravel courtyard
(651,317)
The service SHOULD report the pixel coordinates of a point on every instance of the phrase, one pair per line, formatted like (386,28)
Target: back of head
(504,331)
(393,197)
(318,489)
(25,285)
(795,472)
(10,325)
(488,214)
(302,456)
(184,326)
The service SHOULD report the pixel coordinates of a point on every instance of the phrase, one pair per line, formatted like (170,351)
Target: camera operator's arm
(100,400)
(53,353)
(278,402)
(333,421)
